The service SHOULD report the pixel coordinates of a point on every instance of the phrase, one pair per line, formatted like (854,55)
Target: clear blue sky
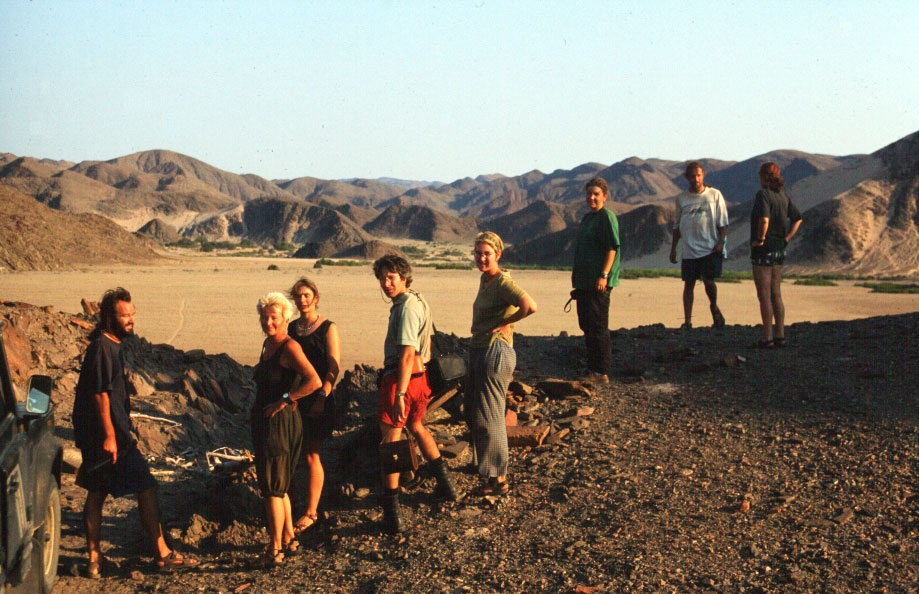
(442,90)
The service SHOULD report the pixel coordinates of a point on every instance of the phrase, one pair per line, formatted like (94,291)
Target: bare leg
(390,434)
(92,523)
(315,478)
(688,288)
(149,510)
(288,533)
(274,512)
(425,441)
(762,278)
(778,306)
(711,289)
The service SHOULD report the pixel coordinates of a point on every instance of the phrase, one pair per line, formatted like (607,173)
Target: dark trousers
(593,318)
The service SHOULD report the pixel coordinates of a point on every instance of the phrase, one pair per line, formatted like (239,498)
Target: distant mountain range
(860,211)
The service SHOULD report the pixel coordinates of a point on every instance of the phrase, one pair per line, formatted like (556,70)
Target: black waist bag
(445,370)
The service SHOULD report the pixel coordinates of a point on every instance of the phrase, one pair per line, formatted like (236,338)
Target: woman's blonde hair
(278,300)
(491,239)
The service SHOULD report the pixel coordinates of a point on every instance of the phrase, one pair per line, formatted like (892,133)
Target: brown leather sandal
(174,561)
(305,523)
(270,557)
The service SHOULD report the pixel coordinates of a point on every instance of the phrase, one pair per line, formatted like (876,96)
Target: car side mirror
(38,400)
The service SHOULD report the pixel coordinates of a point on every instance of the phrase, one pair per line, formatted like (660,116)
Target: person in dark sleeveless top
(769,236)
(277,432)
(318,337)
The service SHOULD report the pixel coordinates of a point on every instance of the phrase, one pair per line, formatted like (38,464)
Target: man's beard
(120,332)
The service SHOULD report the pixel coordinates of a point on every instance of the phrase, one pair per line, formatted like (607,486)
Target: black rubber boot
(392,514)
(446,487)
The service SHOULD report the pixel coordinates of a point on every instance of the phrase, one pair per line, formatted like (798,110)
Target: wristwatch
(604,275)
(400,394)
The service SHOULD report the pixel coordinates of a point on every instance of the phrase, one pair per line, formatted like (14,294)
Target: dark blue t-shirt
(102,371)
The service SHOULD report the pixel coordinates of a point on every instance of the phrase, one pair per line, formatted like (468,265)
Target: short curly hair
(598,182)
(393,263)
(278,300)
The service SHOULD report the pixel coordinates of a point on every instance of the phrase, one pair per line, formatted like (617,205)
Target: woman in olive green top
(499,304)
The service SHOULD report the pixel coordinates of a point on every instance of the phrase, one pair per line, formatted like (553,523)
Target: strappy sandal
(717,317)
(292,548)
(305,523)
(765,344)
(780,341)
(270,557)
(174,561)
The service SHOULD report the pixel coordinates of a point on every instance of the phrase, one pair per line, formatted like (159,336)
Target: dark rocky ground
(705,466)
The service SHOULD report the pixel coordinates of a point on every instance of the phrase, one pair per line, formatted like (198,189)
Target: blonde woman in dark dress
(318,337)
(283,376)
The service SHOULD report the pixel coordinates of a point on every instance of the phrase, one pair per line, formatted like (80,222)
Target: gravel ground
(705,466)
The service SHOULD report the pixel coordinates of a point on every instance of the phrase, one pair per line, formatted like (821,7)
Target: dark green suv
(30,480)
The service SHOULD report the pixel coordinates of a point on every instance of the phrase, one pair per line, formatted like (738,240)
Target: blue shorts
(761,256)
(707,267)
(129,475)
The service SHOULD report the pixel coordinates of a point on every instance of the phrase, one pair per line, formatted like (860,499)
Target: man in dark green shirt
(594,273)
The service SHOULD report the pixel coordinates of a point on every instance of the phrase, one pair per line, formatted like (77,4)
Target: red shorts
(416,398)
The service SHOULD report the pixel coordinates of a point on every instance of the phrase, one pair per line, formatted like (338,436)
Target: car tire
(46,542)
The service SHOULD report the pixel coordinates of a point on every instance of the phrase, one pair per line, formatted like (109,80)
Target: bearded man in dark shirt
(112,464)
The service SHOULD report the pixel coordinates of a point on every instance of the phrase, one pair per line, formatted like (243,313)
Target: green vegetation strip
(816,281)
(327,262)
(889,287)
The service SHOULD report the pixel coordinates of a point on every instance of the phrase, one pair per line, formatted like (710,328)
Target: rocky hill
(418,222)
(643,231)
(159,230)
(860,221)
(538,219)
(36,237)
(296,221)
(871,226)
(739,182)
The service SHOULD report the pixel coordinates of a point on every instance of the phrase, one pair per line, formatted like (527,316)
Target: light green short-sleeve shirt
(495,302)
(409,325)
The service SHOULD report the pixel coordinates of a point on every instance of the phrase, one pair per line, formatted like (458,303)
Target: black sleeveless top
(272,379)
(315,346)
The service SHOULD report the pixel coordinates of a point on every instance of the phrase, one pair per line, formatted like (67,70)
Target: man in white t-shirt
(702,223)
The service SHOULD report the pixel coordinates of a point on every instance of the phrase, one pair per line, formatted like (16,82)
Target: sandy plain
(208,302)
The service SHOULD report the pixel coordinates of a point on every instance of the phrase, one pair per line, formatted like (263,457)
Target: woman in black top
(276,427)
(768,238)
(318,337)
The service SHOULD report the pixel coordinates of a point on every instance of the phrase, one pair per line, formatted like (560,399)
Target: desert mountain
(159,230)
(872,227)
(173,170)
(301,223)
(643,233)
(36,237)
(370,250)
(537,219)
(419,222)
(365,193)
(860,221)
(739,182)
